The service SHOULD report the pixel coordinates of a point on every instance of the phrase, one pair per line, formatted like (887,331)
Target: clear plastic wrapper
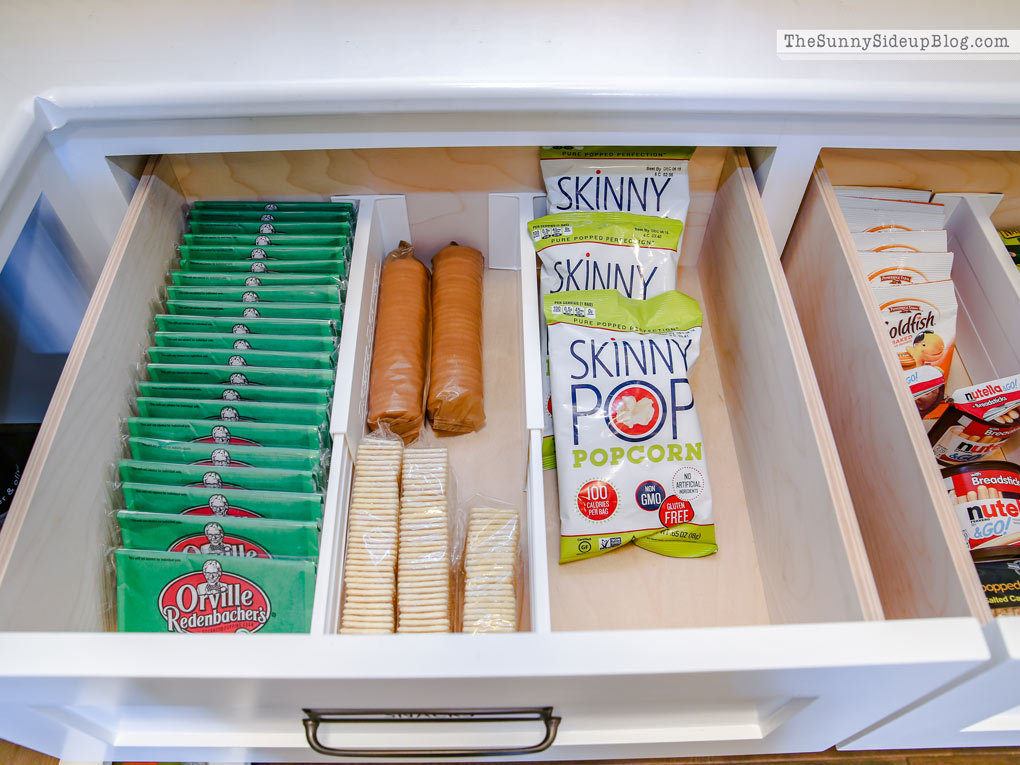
(229,433)
(250,326)
(228,455)
(337,216)
(456,401)
(336,267)
(226,477)
(266,227)
(424,570)
(320,396)
(896,269)
(264,205)
(225,536)
(400,356)
(280,293)
(234,411)
(279,255)
(264,240)
(241,310)
(242,279)
(177,592)
(370,561)
(240,357)
(231,341)
(491,578)
(867,214)
(236,375)
(236,503)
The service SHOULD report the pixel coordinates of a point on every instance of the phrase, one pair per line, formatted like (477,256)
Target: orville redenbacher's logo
(213,600)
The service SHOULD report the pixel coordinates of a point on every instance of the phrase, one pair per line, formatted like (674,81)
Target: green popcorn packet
(228,433)
(234,411)
(208,374)
(254,326)
(176,592)
(259,267)
(240,357)
(277,255)
(264,240)
(228,455)
(227,537)
(241,311)
(208,477)
(236,503)
(319,396)
(350,207)
(1011,240)
(327,228)
(286,293)
(240,279)
(244,342)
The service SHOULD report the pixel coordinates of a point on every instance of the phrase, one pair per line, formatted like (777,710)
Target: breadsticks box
(629,453)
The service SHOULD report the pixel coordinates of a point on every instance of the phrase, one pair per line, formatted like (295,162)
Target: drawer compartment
(908,523)
(776,644)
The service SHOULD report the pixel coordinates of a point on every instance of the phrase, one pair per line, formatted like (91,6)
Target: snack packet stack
(1011,239)
(902,245)
(224,486)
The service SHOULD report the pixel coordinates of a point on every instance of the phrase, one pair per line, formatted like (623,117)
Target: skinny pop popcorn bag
(628,441)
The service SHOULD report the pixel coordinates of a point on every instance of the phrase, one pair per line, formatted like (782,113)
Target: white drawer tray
(776,644)
(909,525)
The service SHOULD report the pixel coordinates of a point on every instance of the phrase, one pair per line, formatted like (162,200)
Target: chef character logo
(252,281)
(267,228)
(214,533)
(221,458)
(258,268)
(220,434)
(267,217)
(221,508)
(230,395)
(237,378)
(250,297)
(271,207)
(258,254)
(635,411)
(242,345)
(262,241)
(240,329)
(219,505)
(251,313)
(230,414)
(237,361)
(212,480)
(213,600)
(214,541)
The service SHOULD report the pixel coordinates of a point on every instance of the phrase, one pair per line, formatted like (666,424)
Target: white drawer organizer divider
(776,644)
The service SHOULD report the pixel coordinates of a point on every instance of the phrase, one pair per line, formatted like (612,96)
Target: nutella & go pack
(987,499)
(978,420)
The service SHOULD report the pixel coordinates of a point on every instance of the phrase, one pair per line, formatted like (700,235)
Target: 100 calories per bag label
(628,442)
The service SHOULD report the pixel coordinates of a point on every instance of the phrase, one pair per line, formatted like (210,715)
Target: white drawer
(979,710)
(776,644)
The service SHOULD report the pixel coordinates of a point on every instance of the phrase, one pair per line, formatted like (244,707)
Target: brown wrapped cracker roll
(400,357)
(456,396)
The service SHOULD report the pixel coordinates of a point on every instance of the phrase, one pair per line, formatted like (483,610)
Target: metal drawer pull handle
(314,717)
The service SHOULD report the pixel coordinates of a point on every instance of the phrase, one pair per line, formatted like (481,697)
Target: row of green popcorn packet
(1011,239)
(224,487)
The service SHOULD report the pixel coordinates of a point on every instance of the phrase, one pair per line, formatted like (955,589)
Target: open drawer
(907,521)
(775,644)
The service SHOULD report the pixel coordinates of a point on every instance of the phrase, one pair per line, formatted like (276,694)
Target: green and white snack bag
(236,503)
(630,459)
(253,326)
(328,228)
(237,375)
(240,357)
(646,180)
(227,537)
(206,476)
(319,396)
(258,267)
(227,455)
(244,342)
(273,205)
(241,279)
(234,411)
(264,240)
(205,214)
(242,311)
(228,433)
(175,592)
(269,294)
(277,255)
(636,255)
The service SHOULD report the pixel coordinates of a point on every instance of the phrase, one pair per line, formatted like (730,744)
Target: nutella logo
(213,600)
(983,392)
